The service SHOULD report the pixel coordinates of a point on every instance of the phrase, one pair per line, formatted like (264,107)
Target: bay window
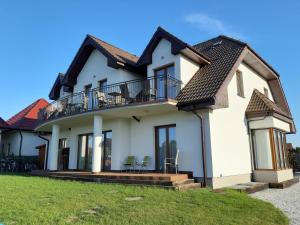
(269,149)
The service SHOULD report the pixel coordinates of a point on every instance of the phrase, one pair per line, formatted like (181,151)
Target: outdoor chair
(125,93)
(172,162)
(144,164)
(129,163)
(101,99)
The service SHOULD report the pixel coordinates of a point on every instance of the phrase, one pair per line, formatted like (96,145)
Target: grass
(41,201)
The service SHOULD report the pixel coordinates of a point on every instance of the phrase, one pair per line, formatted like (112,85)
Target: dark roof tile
(223,54)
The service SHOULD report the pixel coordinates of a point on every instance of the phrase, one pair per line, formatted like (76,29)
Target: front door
(106,146)
(166,147)
(85,149)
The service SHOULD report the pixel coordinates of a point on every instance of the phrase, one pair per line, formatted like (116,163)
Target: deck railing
(150,89)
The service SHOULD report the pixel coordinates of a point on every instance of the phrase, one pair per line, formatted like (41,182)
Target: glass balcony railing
(158,88)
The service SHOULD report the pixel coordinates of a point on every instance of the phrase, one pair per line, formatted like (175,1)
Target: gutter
(202,138)
(46,159)
(21,142)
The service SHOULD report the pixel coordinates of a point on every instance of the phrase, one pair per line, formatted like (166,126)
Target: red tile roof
(27,118)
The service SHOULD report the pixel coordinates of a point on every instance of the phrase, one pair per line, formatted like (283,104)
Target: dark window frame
(156,129)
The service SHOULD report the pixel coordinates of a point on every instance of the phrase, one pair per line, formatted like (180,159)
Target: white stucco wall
(267,122)
(162,55)
(130,137)
(30,141)
(229,136)
(96,69)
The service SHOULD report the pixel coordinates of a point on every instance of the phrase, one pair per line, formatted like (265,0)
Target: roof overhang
(259,65)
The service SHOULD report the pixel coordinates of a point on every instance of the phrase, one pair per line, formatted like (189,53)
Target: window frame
(266,92)
(100,83)
(273,149)
(240,84)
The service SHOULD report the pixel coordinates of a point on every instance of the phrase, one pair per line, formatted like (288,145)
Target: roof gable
(259,103)
(3,124)
(27,118)
(177,46)
(55,91)
(116,58)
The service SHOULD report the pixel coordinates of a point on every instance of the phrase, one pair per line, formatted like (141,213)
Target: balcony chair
(144,164)
(125,94)
(101,98)
(130,163)
(172,162)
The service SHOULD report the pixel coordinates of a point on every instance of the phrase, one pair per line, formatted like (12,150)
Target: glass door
(106,146)
(162,76)
(85,150)
(166,148)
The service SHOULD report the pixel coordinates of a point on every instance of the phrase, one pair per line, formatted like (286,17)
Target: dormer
(167,55)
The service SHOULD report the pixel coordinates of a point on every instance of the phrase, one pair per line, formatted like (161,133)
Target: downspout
(21,142)
(202,138)
(47,150)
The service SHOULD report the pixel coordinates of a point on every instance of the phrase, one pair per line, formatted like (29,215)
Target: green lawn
(41,201)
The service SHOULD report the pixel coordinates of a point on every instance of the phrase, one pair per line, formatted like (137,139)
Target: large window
(269,149)
(62,144)
(85,149)
(163,89)
(262,149)
(166,146)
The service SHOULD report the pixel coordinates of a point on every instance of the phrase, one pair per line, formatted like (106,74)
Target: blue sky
(38,39)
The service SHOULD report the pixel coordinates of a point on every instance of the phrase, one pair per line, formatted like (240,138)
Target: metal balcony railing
(150,89)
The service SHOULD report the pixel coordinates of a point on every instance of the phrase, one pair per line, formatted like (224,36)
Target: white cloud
(212,25)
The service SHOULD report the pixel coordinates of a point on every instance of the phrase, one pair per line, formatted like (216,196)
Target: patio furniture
(144,164)
(130,162)
(101,98)
(172,162)
(114,94)
(125,93)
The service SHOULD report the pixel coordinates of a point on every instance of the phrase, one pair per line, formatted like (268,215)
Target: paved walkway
(288,200)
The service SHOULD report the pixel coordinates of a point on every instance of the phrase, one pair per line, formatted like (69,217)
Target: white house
(18,138)
(218,104)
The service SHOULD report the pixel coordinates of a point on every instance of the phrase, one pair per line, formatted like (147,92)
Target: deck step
(284,184)
(250,187)
(185,187)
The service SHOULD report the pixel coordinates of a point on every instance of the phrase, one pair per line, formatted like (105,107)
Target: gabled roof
(202,88)
(225,53)
(3,124)
(116,58)
(27,119)
(120,54)
(261,105)
(177,46)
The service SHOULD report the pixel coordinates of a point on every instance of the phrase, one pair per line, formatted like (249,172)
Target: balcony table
(115,94)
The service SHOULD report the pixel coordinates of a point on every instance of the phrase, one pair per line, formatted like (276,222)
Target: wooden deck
(175,181)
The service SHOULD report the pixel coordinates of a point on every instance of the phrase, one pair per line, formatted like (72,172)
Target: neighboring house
(18,136)
(217,103)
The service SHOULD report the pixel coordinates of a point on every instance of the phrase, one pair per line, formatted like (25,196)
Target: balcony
(152,89)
